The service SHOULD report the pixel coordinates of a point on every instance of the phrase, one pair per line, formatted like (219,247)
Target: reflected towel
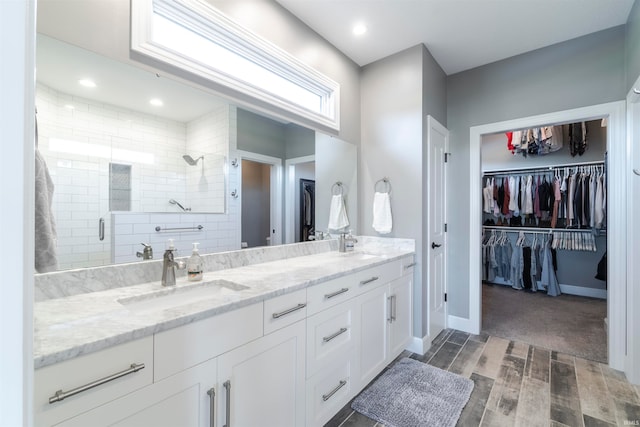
(46,258)
(382,220)
(337,213)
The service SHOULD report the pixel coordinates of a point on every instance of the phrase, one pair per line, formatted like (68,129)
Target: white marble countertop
(80,324)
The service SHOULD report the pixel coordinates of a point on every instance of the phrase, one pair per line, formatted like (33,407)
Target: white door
(437,144)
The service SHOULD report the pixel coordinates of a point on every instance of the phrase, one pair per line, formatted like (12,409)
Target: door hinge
(445,297)
(446,157)
(445,227)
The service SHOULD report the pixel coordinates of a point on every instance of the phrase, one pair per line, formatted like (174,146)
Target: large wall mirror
(137,157)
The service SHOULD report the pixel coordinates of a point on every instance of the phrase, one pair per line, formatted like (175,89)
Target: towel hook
(337,187)
(387,185)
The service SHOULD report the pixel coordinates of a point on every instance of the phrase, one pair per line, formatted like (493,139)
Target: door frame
(290,195)
(633,270)
(617,214)
(433,123)
(275,191)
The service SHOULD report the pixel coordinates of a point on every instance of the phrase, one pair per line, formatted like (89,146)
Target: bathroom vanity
(276,336)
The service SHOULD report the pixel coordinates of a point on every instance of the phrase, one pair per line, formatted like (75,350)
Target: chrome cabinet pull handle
(410,265)
(288,311)
(390,317)
(332,336)
(227,386)
(336,293)
(393,308)
(212,408)
(327,396)
(101,229)
(61,395)
(373,279)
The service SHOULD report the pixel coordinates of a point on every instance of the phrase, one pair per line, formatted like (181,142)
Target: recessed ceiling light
(87,83)
(359,29)
(156,102)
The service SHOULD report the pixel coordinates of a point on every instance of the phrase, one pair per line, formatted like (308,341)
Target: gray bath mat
(414,394)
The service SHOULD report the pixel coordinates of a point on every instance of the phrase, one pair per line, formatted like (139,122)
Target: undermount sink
(177,296)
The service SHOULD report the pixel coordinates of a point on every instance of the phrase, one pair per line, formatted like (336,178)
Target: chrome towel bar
(196,228)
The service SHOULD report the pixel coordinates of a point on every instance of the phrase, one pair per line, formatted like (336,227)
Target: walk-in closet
(544,236)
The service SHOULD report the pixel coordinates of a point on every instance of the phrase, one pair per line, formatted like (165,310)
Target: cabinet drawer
(328,391)
(330,336)
(408,264)
(328,294)
(186,346)
(284,310)
(72,375)
(375,276)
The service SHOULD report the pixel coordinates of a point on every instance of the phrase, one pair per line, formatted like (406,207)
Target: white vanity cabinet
(262,383)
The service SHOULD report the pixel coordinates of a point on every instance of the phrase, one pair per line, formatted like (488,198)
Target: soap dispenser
(194,265)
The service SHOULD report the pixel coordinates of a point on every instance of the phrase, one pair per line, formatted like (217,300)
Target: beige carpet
(568,323)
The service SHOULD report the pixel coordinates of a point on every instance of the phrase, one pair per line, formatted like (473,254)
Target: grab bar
(61,395)
(197,228)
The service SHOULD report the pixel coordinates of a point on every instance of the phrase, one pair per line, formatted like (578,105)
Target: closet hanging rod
(539,230)
(541,168)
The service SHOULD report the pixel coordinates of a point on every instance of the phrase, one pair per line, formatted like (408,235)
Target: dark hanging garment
(575,139)
(601,273)
(526,271)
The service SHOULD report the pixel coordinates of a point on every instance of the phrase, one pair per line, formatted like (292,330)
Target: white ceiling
(460,34)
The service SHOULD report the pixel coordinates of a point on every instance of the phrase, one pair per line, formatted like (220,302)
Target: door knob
(434,245)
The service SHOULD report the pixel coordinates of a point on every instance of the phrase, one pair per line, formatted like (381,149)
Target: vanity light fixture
(359,29)
(156,102)
(87,83)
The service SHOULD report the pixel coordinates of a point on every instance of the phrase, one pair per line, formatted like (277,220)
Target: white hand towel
(46,259)
(337,213)
(382,220)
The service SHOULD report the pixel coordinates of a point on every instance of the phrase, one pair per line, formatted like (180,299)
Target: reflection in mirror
(118,162)
(129,175)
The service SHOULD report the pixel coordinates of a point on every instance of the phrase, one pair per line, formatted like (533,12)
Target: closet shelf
(516,171)
(601,232)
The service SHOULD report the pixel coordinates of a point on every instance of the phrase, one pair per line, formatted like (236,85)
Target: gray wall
(299,141)
(396,94)
(258,134)
(585,71)
(633,45)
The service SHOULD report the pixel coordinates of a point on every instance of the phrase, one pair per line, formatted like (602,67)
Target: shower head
(174,202)
(187,158)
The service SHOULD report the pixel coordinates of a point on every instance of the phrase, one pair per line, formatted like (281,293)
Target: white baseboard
(582,291)
(461,324)
(567,289)
(420,345)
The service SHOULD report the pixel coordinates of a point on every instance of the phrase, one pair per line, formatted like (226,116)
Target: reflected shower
(187,158)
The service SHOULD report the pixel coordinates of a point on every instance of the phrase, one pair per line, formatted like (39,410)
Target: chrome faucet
(168,267)
(347,242)
(147,252)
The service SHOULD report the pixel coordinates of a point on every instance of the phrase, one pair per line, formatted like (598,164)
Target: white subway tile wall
(79,142)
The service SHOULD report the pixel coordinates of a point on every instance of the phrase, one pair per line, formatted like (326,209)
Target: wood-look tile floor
(517,384)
